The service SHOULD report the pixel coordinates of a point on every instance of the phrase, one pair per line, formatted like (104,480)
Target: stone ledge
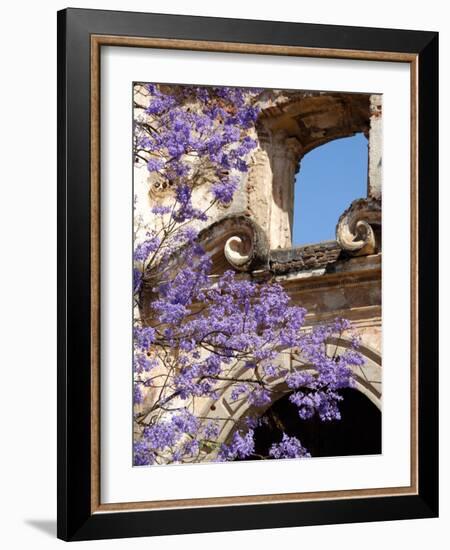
(304,258)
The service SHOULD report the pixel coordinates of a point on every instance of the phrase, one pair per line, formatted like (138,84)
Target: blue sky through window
(330,178)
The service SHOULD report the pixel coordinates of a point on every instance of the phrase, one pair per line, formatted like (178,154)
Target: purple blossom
(186,422)
(154,164)
(298,379)
(142,363)
(161,210)
(137,280)
(211,430)
(161,435)
(144,337)
(160,103)
(252,422)
(224,191)
(191,447)
(185,210)
(138,398)
(259,397)
(217,130)
(143,456)
(324,403)
(241,446)
(144,249)
(289,447)
(238,390)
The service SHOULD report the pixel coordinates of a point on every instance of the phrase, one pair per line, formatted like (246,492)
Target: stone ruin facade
(252,235)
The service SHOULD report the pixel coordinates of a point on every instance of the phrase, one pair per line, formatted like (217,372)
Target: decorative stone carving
(159,188)
(238,240)
(355,232)
(236,253)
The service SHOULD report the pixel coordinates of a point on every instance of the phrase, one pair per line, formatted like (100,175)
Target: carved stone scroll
(357,231)
(238,241)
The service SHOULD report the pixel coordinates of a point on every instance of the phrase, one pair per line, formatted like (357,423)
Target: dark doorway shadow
(357,433)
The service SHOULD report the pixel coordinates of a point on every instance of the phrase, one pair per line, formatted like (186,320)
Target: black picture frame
(76,519)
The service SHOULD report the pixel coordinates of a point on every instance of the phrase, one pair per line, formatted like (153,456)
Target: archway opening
(357,433)
(331,176)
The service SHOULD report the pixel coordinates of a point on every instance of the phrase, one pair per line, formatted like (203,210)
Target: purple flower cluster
(154,164)
(325,403)
(179,140)
(143,337)
(143,455)
(145,248)
(241,446)
(240,322)
(289,447)
(137,280)
(223,191)
(185,211)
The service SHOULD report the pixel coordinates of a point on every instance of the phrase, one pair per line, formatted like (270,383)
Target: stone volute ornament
(238,239)
(357,230)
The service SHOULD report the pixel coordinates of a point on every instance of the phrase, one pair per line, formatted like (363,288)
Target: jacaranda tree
(203,329)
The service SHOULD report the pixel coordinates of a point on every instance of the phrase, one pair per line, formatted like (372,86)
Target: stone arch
(289,126)
(331,176)
(368,377)
(358,432)
(368,380)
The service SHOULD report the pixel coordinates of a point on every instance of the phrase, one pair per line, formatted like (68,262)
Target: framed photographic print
(247,274)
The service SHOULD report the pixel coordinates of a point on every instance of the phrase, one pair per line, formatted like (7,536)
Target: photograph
(227,247)
(247,274)
(257,269)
